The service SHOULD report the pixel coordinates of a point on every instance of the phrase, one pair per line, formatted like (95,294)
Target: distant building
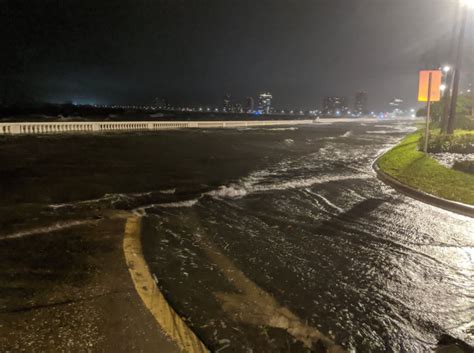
(265,103)
(396,106)
(160,103)
(237,108)
(361,103)
(396,102)
(249,104)
(334,106)
(227,103)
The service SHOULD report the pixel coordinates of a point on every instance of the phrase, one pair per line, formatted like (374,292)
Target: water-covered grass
(408,165)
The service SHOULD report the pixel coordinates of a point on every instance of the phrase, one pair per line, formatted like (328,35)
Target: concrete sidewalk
(70,291)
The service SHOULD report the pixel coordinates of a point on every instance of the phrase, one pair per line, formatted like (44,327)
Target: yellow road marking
(255,306)
(167,318)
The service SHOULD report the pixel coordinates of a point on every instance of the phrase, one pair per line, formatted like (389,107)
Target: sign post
(429,91)
(428,114)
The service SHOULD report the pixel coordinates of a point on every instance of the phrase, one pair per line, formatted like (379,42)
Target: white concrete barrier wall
(37,128)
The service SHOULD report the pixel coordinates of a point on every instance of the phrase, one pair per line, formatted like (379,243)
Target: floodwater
(263,239)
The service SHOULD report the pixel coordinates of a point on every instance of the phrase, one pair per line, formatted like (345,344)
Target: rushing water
(242,225)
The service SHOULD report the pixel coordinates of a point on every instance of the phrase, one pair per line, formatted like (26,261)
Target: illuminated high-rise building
(237,108)
(249,104)
(227,104)
(334,106)
(396,105)
(361,103)
(265,103)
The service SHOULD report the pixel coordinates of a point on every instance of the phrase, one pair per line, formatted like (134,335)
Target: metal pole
(428,113)
(446,101)
(457,72)
(472,107)
(449,74)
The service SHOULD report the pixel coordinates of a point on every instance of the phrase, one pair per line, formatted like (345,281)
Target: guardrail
(40,128)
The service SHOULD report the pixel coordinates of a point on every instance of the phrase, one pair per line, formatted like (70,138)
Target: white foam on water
(59,205)
(168,192)
(233,191)
(186,203)
(261,183)
(127,196)
(106,198)
(394,129)
(289,141)
(329,203)
(83,202)
(306,182)
(47,229)
(283,129)
(142,211)
(286,175)
(294,174)
(382,132)
(347,134)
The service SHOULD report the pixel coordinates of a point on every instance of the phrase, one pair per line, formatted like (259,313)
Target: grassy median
(411,167)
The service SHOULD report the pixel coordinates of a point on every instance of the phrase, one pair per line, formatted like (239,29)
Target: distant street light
(446,68)
(442,88)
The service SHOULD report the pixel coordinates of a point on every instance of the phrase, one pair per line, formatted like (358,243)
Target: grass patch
(411,167)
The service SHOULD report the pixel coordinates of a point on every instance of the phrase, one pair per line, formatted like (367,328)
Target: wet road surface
(69,290)
(264,240)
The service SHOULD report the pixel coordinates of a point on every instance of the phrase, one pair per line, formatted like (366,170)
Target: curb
(453,206)
(171,323)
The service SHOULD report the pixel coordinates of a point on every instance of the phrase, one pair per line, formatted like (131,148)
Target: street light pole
(457,70)
(446,98)
(472,106)
(449,75)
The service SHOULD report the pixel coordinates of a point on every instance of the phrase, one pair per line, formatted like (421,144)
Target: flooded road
(265,239)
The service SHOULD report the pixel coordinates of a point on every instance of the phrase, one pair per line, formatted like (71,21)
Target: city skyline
(173,50)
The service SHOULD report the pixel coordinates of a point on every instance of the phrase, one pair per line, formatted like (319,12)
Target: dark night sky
(129,51)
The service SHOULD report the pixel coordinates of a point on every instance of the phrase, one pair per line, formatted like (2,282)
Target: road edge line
(166,317)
